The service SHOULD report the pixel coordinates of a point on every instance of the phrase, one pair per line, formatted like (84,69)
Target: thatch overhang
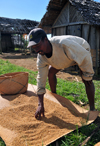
(53,10)
(16,26)
(89,9)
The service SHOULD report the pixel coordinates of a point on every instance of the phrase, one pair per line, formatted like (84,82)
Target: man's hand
(40,109)
(39,112)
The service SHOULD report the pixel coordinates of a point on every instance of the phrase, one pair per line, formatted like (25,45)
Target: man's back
(69,39)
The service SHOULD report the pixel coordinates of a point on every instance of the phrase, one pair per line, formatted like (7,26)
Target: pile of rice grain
(19,118)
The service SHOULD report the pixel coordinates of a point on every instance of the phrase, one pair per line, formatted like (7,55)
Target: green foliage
(2,142)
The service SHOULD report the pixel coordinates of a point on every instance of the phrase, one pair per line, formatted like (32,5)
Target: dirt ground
(29,62)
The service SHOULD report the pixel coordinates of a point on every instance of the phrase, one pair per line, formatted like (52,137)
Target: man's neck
(48,55)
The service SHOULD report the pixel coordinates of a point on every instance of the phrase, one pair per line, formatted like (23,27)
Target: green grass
(75,91)
(79,135)
(2,142)
(7,67)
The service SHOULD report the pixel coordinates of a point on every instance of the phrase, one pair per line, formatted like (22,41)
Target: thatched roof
(16,26)
(53,10)
(89,9)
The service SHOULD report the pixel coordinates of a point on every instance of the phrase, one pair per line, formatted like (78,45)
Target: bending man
(58,53)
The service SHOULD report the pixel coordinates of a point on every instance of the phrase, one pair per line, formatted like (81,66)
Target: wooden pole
(57,144)
(97,49)
(21,43)
(0,44)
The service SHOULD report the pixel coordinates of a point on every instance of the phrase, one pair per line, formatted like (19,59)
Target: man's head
(39,42)
(35,36)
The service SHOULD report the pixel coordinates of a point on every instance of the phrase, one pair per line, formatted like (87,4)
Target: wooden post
(0,43)
(19,40)
(57,144)
(97,49)
(21,43)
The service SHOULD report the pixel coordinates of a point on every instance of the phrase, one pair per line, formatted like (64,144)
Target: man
(55,54)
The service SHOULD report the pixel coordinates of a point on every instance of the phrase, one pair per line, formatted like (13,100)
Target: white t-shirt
(67,51)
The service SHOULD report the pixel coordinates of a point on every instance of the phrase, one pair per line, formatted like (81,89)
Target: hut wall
(74,30)
(70,22)
(63,18)
(0,43)
(68,15)
(6,43)
(59,31)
